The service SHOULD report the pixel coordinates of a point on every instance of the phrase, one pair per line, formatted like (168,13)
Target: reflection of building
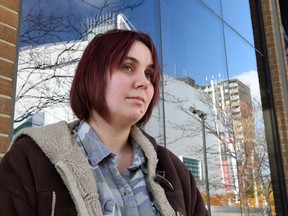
(233,99)
(232,96)
(101,24)
(184,131)
(37,120)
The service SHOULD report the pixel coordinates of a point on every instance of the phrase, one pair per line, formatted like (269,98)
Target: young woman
(103,164)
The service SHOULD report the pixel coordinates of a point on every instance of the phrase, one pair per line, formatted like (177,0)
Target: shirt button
(126,191)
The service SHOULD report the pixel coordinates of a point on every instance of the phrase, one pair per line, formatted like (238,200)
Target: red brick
(9,17)
(5,124)
(8,34)
(11,4)
(7,51)
(3,144)
(6,69)
(6,87)
(5,106)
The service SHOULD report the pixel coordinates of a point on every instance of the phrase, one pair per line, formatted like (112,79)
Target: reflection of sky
(192,32)
(55,21)
(193,40)
(81,8)
(49,21)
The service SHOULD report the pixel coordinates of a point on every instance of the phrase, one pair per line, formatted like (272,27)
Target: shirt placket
(129,201)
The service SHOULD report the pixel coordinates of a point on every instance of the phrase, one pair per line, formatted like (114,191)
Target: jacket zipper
(53,203)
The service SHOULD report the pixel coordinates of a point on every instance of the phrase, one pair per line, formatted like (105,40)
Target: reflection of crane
(103,23)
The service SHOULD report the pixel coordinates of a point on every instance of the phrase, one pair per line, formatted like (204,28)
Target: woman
(103,164)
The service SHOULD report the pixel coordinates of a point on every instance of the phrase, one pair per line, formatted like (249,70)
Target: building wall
(275,62)
(272,69)
(9,25)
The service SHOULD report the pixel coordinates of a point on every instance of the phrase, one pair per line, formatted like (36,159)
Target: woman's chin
(135,117)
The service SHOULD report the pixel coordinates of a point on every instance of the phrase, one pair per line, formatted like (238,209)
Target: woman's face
(129,88)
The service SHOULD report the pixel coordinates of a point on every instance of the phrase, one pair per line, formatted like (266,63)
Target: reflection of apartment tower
(103,23)
(232,96)
(233,100)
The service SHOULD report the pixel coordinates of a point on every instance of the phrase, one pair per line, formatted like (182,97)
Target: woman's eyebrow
(136,61)
(131,58)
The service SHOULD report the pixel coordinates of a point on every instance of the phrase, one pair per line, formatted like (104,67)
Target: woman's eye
(127,68)
(149,75)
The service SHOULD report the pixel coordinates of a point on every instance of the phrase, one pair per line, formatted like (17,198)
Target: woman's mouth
(140,99)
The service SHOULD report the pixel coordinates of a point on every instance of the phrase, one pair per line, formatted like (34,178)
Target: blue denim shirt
(125,194)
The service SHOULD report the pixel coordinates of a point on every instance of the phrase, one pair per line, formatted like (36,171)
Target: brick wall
(276,59)
(9,25)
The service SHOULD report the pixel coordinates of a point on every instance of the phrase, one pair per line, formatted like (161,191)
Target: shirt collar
(95,150)
(139,159)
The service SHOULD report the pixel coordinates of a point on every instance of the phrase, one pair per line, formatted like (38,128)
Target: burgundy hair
(105,52)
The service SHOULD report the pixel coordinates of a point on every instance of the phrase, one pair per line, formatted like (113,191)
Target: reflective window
(210,102)
(194,167)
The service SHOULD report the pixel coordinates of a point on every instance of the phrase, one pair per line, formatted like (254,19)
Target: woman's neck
(113,137)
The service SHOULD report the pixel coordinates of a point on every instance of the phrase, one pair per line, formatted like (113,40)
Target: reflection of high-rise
(232,100)
(101,24)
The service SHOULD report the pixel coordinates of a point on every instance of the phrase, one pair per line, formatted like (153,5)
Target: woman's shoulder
(164,154)
(23,143)
(23,151)
(41,131)
(53,140)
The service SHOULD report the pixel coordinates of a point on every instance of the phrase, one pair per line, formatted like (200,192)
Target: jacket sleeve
(17,190)
(30,184)
(184,196)
(199,207)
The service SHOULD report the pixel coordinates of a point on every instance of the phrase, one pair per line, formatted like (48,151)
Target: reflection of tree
(45,71)
(242,140)
(245,168)
(184,129)
(44,78)
(40,24)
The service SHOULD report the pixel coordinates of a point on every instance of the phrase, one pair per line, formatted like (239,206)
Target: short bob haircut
(105,52)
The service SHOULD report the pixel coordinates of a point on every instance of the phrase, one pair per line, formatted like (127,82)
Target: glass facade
(207,52)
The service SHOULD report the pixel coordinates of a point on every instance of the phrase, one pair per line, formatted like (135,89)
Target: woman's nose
(141,81)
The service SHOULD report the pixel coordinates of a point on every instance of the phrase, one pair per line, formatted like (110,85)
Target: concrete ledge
(234,211)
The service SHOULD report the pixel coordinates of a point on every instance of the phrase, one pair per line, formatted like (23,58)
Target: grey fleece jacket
(59,146)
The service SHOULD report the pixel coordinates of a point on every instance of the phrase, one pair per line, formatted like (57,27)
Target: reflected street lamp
(203,117)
